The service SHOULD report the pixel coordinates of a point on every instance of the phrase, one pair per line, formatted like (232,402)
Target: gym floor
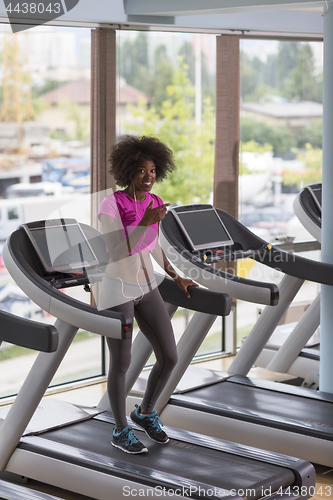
(91,395)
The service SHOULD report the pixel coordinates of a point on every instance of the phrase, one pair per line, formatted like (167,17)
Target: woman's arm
(163,262)
(119,249)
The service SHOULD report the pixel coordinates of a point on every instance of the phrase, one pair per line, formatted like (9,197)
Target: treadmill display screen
(203,228)
(62,247)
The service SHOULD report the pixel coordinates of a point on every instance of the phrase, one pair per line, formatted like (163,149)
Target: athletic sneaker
(126,441)
(150,424)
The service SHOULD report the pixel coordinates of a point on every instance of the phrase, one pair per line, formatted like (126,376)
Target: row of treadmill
(232,437)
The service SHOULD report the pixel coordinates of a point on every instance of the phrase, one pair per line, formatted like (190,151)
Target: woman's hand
(153,215)
(184,283)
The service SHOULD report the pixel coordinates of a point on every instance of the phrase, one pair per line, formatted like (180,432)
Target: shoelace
(155,420)
(128,431)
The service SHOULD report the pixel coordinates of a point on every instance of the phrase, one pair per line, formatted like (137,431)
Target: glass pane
(44,164)
(281,147)
(166,87)
(15,363)
(84,356)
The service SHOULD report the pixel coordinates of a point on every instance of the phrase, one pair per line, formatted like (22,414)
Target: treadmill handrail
(307,211)
(263,252)
(306,197)
(235,286)
(297,266)
(28,333)
(202,299)
(288,263)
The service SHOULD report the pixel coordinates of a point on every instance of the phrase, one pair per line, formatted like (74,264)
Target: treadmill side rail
(32,391)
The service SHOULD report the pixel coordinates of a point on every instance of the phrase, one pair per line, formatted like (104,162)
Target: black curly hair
(130,151)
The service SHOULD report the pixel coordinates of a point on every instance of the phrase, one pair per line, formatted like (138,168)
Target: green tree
(280,138)
(80,119)
(249,77)
(286,60)
(262,77)
(39,105)
(302,82)
(163,71)
(187,55)
(312,159)
(290,73)
(152,73)
(186,52)
(151,77)
(134,62)
(311,133)
(192,145)
(269,71)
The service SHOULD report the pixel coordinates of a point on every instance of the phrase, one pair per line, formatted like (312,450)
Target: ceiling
(200,7)
(294,18)
(272,18)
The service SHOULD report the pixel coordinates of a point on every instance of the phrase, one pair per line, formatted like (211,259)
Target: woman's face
(145,176)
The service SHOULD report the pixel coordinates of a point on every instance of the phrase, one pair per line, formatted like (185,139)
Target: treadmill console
(63,251)
(203,228)
(206,235)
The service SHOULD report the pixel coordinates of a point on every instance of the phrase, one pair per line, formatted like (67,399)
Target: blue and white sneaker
(150,424)
(127,442)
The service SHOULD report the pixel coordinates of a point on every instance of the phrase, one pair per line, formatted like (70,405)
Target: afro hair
(130,151)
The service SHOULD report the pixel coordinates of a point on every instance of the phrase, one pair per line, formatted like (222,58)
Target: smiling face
(144,178)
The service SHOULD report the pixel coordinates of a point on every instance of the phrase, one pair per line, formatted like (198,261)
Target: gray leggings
(154,322)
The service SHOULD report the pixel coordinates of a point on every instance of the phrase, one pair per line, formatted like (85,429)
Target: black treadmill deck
(269,404)
(188,460)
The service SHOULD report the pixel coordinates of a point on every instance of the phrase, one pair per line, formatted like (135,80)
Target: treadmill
(275,416)
(307,207)
(76,454)
(40,337)
(300,353)
(10,491)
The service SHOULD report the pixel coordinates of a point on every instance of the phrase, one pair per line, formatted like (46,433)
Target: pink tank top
(129,212)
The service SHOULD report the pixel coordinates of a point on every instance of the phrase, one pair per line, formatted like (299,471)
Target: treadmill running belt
(191,461)
(262,406)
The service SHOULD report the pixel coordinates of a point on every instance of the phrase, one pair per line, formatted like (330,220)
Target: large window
(281,147)
(44,162)
(166,87)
